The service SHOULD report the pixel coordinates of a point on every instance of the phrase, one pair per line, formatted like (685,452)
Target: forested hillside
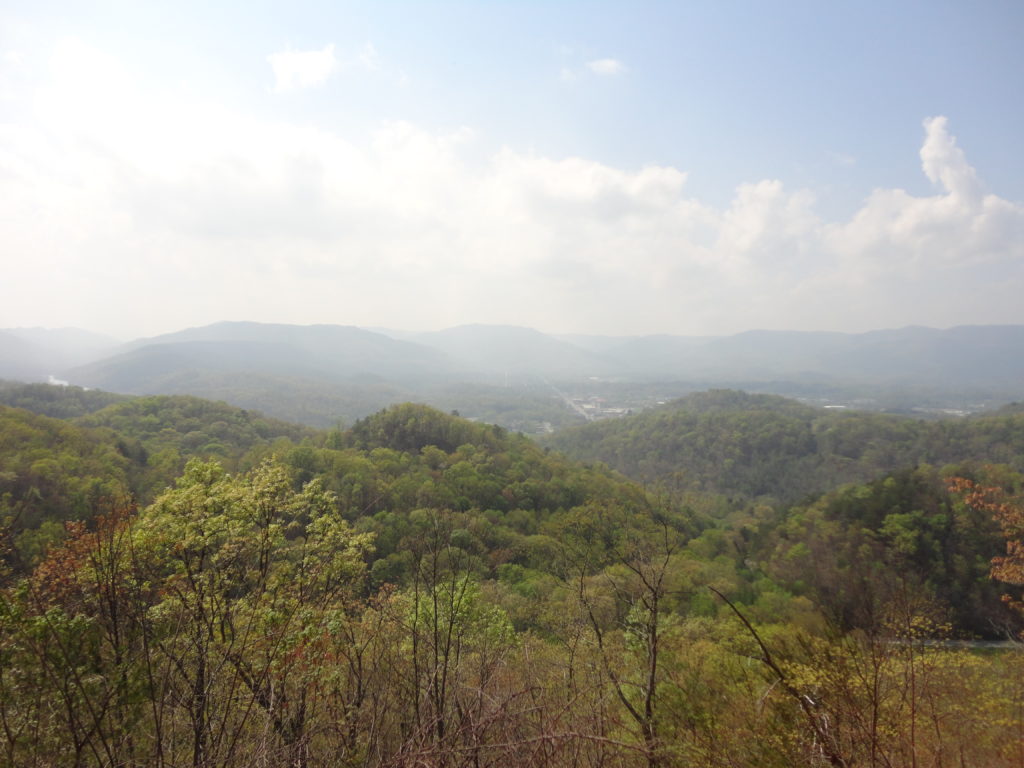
(58,402)
(861,547)
(424,590)
(52,471)
(738,444)
(119,451)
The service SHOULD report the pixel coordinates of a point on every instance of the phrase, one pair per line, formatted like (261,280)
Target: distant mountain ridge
(981,354)
(964,354)
(355,369)
(315,351)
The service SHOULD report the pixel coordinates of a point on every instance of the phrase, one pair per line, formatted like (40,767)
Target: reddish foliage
(1008,511)
(57,580)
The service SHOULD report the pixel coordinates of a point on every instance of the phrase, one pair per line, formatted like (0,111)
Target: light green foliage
(190,426)
(51,470)
(207,607)
(278,553)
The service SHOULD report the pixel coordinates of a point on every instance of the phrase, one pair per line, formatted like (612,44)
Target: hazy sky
(621,168)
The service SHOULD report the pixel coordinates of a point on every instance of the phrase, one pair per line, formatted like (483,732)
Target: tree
(455,644)
(1006,507)
(255,575)
(621,566)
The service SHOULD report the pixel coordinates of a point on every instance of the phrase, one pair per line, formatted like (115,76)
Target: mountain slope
(255,357)
(761,445)
(55,401)
(965,355)
(323,351)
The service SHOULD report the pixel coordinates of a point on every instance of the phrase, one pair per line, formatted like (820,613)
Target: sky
(697,168)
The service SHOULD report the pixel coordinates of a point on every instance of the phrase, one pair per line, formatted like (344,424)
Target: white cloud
(944,162)
(117,216)
(960,228)
(302,69)
(606,66)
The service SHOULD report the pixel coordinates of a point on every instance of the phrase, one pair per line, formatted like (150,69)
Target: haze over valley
(524,379)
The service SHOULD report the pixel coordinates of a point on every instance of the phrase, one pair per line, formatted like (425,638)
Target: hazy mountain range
(333,361)
(976,354)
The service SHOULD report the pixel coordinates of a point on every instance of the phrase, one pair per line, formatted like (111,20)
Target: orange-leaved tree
(1007,508)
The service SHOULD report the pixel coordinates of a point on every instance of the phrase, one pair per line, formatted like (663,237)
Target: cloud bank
(154,214)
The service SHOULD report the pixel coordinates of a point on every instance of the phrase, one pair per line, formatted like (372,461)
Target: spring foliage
(425,591)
